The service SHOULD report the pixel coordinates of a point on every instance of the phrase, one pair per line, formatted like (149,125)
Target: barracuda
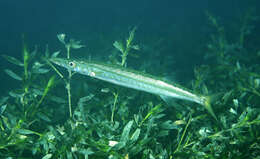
(132,79)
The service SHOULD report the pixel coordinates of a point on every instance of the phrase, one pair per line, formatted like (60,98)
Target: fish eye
(72,64)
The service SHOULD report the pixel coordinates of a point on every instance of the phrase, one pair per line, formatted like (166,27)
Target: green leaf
(163,133)
(168,125)
(119,145)
(48,156)
(126,131)
(61,38)
(135,135)
(85,99)
(13,75)
(5,121)
(69,155)
(135,47)
(119,46)
(153,111)
(15,95)
(40,71)
(86,152)
(55,54)
(227,96)
(13,60)
(25,131)
(37,92)
(43,117)
(2,109)
(37,68)
(131,37)
(75,44)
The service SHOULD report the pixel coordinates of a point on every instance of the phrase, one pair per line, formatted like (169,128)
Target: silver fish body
(131,79)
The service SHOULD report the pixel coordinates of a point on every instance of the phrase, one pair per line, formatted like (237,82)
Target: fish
(125,77)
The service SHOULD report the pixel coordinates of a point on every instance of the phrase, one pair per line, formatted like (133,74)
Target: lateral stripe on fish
(132,79)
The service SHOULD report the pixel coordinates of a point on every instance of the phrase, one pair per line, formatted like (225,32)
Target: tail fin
(207,101)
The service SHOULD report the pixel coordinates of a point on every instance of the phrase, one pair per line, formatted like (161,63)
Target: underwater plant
(22,111)
(71,44)
(107,121)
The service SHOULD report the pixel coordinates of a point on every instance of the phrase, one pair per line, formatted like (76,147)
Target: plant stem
(183,134)
(69,97)
(55,69)
(68,82)
(124,53)
(114,106)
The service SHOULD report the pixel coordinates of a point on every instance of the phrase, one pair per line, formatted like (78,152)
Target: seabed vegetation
(56,113)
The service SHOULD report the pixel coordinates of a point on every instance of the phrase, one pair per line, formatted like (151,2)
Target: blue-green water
(182,25)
